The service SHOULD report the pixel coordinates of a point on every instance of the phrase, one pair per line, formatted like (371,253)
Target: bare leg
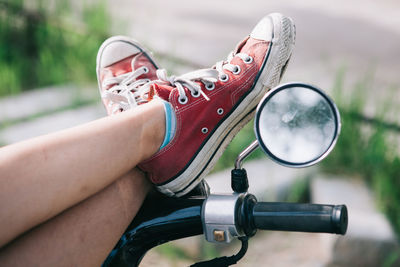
(41,177)
(84,234)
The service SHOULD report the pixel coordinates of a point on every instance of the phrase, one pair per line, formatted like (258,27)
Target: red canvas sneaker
(123,65)
(212,105)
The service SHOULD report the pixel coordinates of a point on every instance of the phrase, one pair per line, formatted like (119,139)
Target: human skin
(84,234)
(44,176)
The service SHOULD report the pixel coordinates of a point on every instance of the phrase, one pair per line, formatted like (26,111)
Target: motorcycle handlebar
(300,217)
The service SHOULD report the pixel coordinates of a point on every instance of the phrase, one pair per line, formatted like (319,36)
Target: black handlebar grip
(300,217)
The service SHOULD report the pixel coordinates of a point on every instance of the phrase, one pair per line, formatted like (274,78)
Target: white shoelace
(124,94)
(188,80)
(129,92)
(207,76)
(226,65)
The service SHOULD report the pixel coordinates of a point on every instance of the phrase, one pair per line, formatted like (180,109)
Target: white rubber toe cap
(264,29)
(115,49)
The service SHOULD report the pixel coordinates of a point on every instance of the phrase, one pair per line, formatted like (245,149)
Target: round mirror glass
(297,124)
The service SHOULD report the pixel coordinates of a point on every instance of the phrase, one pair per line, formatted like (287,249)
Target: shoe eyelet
(224,77)
(204,130)
(195,94)
(183,100)
(220,111)
(248,60)
(146,69)
(210,86)
(237,70)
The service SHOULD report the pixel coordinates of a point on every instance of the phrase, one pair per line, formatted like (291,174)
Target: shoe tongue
(239,46)
(161,90)
(246,45)
(128,64)
(138,61)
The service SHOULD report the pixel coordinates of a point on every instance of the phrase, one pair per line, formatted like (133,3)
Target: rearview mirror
(297,124)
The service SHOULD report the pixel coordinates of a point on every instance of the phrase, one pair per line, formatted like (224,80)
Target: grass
(391,260)
(173,252)
(244,138)
(300,191)
(43,46)
(367,151)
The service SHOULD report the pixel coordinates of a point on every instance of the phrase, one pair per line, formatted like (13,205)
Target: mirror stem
(247,151)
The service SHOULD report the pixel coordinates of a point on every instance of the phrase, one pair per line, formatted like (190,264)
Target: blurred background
(350,48)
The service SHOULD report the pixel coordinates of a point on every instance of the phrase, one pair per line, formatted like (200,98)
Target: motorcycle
(296,125)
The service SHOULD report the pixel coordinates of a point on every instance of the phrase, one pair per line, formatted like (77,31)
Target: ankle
(155,131)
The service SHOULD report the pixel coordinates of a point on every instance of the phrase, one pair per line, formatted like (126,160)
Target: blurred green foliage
(48,44)
(244,138)
(173,252)
(299,191)
(367,150)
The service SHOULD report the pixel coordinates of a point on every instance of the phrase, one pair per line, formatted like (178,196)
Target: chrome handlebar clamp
(219,216)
